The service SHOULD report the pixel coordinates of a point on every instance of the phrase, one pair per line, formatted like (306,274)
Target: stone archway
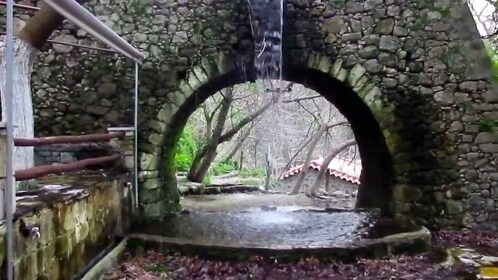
(419,67)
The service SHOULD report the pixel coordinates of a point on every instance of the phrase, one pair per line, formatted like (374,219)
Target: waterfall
(267,25)
(23,120)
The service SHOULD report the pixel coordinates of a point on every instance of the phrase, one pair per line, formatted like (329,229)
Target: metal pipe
(135,135)
(10,184)
(25,7)
(66,139)
(74,12)
(42,170)
(76,45)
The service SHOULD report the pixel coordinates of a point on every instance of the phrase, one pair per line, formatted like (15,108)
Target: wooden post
(268,169)
(3,167)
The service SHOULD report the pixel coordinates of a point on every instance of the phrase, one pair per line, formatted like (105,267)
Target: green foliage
(494,61)
(139,7)
(185,151)
(488,125)
(253,172)
(207,180)
(221,168)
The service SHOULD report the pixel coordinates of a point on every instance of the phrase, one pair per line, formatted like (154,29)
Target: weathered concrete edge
(109,260)
(416,241)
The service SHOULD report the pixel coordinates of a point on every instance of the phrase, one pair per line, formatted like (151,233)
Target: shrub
(253,172)
(221,168)
(185,151)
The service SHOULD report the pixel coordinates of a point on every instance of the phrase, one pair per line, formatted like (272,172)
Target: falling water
(22,104)
(267,26)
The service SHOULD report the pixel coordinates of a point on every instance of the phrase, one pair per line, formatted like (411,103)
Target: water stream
(22,111)
(267,26)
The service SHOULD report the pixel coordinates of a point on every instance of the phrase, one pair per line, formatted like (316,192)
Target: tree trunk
(304,171)
(239,144)
(256,153)
(205,156)
(241,162)
(321,174)
(31,37)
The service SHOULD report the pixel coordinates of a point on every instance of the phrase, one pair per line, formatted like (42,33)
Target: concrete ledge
(418,241)
(108,261)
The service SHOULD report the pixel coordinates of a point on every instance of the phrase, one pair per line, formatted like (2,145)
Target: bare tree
(323,128)
(313,191)
(207,153)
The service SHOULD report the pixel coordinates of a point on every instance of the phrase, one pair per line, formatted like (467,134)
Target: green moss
(488,125)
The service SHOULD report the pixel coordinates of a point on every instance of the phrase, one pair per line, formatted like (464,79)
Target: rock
(64,48)
(388,43)
(107,89)
(335,25)
(373,66)
(348,37)
(368,52)
(486,137)
(384,26)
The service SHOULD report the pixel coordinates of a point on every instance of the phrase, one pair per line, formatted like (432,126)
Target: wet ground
(431,266)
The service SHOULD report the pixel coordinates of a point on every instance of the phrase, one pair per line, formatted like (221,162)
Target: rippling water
(268,229)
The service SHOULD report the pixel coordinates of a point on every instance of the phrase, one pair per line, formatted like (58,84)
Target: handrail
(65,139)
(42,170)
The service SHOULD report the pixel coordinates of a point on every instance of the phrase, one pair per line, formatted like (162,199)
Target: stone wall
(78,216)
(411,76)
(329,183)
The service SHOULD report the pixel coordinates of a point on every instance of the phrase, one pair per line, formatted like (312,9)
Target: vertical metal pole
(135,133)
(10,187)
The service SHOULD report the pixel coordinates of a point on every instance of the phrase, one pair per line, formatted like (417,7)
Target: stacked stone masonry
(78,217)
(418,66)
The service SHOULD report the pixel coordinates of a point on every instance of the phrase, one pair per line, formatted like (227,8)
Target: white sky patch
(483,16)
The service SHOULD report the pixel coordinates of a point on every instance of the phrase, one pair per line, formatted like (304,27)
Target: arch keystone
(311,61)
(157,126)
(336,68)
(210,67)
(343,74)
(201,75)
(193,81)
(361,84)
(355,74)
(166,113)
(155,139)
(148,162)
(324,64)
(185,88)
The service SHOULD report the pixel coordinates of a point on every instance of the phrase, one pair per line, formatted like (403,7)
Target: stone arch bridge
(411,76)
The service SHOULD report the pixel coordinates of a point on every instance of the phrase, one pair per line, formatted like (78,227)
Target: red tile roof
(348,170)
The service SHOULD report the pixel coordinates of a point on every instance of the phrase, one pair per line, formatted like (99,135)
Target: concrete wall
(78,217)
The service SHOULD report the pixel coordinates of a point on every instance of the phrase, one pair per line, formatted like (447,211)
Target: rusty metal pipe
(64,139)
(42,170)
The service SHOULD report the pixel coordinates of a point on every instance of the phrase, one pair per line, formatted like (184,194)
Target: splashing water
(23,120)
(267,27)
